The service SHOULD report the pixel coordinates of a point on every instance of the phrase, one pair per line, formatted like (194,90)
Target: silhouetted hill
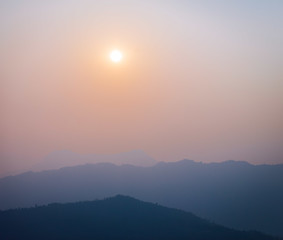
(234,194)
(114,218)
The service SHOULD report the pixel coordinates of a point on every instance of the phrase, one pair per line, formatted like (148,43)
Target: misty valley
(245,199)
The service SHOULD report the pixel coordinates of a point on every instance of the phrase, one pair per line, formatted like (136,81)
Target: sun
(116,56)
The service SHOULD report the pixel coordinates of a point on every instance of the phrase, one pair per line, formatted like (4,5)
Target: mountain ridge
(118,217)
(64,158)
(161,163)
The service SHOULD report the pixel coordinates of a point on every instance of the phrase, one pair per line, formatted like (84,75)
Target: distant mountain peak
(67,158)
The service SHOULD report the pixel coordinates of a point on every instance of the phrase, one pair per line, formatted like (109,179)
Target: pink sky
(197,81)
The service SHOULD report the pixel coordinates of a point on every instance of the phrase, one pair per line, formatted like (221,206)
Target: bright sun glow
(116,56)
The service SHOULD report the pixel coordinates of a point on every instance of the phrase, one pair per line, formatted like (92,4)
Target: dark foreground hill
(233,194)
(114,218)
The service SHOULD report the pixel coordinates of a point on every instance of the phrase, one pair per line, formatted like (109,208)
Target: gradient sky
(200,79)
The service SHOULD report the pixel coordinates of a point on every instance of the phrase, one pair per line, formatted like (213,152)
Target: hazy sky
(199,79)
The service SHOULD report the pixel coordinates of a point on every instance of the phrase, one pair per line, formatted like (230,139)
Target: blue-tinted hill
(114,218)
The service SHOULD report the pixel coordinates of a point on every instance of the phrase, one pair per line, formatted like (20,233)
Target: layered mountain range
(233,194)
